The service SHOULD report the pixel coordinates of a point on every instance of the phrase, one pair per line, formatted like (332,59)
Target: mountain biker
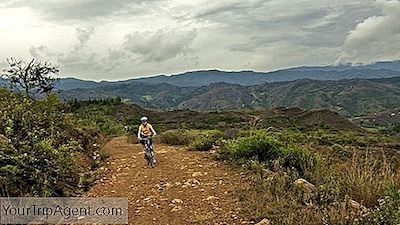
(146,130)
(126,129)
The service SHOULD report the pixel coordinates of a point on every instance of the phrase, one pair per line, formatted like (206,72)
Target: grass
(343,166)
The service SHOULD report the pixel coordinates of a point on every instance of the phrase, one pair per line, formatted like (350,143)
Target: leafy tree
(32,77)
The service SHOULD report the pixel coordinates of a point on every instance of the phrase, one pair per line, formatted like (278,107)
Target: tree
(32,77)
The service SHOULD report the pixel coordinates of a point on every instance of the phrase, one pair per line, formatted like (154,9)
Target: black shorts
(142,141)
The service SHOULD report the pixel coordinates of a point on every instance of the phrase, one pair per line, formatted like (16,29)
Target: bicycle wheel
(149,155)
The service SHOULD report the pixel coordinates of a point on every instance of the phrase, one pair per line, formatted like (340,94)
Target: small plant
(341,151)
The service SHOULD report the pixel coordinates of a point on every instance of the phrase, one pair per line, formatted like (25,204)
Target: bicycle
(149,151)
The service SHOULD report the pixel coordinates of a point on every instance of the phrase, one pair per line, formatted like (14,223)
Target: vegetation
(176,137)
(34,76)
(48,148)
(344,167)
(44,150)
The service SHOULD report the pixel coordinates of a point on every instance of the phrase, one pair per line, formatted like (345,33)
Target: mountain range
(350,90)
(350,97)
(247,78)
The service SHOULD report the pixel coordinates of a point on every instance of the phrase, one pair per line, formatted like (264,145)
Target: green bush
(291,137)
(260,147)
(38,145)
(176,137)
(203,143)
(304,162)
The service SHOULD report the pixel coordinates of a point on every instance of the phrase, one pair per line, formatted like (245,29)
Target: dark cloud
(300,23)
(179,35)
(80,9)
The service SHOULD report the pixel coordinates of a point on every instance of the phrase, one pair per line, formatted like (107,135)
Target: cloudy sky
(120,39)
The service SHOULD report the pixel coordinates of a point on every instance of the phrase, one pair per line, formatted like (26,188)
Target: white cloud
(79,56)
(376,38)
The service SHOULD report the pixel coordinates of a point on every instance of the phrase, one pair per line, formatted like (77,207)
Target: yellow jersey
(146,130)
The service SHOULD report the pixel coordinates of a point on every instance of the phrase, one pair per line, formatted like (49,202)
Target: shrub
(39,171)
(341,151)
(203,143)
(304,162)
(291,138)
(38,147)
(213,134)
(261,147)
(387,211)
(231,133)
(176,137)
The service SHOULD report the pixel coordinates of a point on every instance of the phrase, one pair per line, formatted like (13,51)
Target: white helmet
(143,119)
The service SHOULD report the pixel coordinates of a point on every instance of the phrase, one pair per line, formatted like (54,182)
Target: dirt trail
(184,188)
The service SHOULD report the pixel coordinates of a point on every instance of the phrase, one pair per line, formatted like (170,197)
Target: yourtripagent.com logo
(64,210)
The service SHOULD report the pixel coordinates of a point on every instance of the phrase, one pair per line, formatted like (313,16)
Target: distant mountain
(73,83)
(352,97)
(248,78)
(388,65)
(349,97)
(3,82)
(219,96)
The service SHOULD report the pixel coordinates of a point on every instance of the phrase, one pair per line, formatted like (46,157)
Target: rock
(197,174)
(177,201)
(176,208)
(191,182)
(264,222)
(4,140)
(168,185)
(211,198)
(305,185)
(355,205)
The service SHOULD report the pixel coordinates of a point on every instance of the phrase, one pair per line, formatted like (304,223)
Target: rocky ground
(185,187)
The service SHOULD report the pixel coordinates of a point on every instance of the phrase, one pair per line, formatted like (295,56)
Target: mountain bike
(148,151)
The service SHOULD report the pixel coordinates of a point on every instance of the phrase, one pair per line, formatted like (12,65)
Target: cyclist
(146,130)
(126,129)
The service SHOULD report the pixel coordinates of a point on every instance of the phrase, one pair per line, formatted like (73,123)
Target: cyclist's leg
(152,150)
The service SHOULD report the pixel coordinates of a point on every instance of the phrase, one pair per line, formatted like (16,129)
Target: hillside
(349,97)
(219,96)
(384,118)
(280,118)
(352,97)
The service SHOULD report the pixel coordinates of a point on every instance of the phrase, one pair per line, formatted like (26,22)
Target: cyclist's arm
(153,131)
(138,134)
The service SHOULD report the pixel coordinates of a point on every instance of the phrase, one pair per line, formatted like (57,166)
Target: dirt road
(184,188)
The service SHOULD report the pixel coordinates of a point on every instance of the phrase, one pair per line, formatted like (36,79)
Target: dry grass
(365,177)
